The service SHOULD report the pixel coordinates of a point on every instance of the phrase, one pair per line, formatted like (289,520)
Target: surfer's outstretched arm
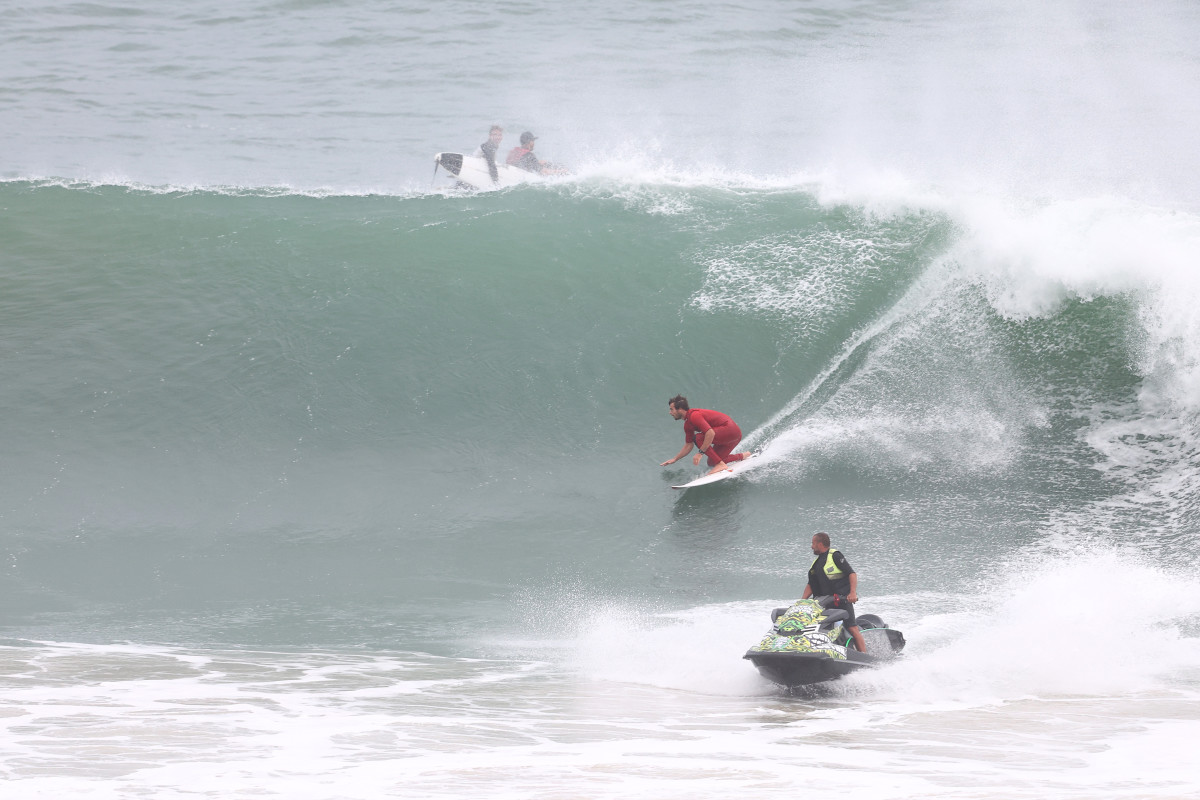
(687,448)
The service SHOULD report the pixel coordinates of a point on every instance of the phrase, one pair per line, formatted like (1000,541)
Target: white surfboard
(473,171)
(735,469)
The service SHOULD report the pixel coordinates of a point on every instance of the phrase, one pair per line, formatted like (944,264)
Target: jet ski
(808,643)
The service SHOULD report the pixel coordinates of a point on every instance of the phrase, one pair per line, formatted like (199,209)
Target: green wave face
(465,396)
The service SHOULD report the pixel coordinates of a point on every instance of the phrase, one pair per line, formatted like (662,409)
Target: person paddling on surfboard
(713,432)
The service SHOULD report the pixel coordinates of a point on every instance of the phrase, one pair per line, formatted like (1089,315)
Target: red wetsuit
(700,420)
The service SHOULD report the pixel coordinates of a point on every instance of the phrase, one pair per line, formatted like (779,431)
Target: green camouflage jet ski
(809,643)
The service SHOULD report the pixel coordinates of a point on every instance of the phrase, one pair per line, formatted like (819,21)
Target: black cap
(527,137)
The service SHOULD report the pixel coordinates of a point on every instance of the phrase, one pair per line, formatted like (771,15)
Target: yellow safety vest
(832,571)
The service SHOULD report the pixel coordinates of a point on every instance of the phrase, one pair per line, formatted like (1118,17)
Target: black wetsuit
(822,585)
(489,155)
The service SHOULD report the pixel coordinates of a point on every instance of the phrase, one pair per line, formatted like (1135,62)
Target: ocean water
(324,479)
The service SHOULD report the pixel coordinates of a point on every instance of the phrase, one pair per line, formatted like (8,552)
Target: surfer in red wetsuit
(713,432)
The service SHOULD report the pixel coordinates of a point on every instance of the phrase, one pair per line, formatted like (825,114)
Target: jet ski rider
(832,576)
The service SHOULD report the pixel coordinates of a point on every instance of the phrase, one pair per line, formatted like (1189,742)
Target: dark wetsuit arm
(489,155)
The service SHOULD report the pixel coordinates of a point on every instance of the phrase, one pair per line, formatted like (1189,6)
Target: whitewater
(323,478)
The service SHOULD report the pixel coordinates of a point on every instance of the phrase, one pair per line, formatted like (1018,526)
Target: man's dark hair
(823,538)
(679,401)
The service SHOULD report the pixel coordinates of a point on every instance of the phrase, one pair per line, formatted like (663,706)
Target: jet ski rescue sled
(473,171)
(809,643)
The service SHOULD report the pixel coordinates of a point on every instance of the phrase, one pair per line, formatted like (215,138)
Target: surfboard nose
(451,162)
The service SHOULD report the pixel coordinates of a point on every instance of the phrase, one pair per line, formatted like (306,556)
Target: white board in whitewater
(473,171)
